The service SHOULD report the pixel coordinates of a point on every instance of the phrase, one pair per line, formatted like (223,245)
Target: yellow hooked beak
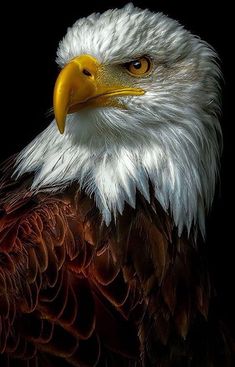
(81,84)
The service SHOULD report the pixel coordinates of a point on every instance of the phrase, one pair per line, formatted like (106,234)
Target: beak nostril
(86,72)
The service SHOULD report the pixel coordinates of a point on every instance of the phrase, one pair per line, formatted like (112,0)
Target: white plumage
(170,135)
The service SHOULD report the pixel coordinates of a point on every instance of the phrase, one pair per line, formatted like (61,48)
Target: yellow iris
(139,67)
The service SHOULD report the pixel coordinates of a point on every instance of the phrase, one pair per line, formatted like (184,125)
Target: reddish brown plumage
(74,292)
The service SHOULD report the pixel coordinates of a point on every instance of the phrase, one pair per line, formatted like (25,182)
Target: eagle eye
(139,67)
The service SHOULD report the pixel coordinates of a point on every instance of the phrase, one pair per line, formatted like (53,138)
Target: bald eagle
(102,215)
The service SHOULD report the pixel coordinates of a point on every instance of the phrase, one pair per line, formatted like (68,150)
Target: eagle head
(136,104)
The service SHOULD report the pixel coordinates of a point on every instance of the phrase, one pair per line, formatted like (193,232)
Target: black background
(29,37)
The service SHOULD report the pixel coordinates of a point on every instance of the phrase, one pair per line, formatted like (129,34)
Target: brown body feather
(74,292)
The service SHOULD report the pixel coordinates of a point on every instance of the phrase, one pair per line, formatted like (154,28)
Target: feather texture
(77,291)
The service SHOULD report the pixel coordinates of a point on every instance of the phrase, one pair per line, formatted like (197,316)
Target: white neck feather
(182,171)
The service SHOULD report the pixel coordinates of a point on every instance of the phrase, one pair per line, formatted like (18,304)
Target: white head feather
(170,135)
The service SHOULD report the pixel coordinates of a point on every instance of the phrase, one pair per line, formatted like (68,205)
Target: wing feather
(72,289)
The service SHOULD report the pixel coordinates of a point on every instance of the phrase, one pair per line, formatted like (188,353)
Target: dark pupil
(136,64)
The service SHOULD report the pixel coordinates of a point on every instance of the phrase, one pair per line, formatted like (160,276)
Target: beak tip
(60,126)
(61,130)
